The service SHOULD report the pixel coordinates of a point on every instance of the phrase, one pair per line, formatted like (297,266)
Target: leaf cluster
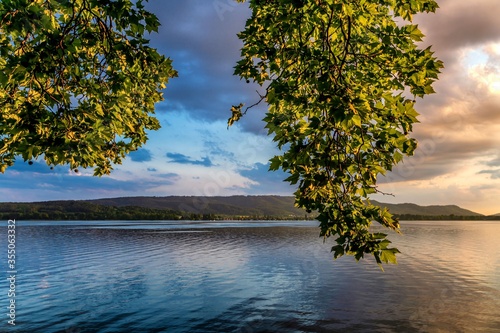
(340,79)
(78,81)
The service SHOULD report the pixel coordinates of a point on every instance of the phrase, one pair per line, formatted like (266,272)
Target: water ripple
(206,278)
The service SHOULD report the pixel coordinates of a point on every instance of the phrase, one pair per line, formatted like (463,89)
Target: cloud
(169,176)
(459,24)
(140,155)
(24,182)
(204,50)
(183,159)
(215,148)
(460,124)
(266,181)
(495,174)
(494,162)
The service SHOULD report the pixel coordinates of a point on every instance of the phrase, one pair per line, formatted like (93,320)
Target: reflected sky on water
(234,276)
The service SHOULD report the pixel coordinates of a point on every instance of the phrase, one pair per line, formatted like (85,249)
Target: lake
(125,276)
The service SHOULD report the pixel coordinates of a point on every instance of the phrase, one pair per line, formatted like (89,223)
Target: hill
(79,210)
(434,210)
(265,205)
(207,208)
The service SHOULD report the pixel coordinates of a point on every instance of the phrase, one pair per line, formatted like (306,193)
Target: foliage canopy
(78,81)
(78,85)
(340,78)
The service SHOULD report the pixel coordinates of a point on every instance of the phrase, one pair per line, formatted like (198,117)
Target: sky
(194,153)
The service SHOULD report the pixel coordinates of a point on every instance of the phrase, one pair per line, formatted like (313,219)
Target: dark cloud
(458,24)
(200,37)
(411,170)
(140,155)
(453,149)
(485,112)
(152,169)
(183,159)
(495,174)
(437,157)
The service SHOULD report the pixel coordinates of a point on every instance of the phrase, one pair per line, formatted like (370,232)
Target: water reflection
(252,279)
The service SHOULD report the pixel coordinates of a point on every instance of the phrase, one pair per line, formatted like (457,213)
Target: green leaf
(44,96)
(389,256)
(336,74)
(275,163)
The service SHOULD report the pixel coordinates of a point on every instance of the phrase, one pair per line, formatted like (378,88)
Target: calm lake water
(247,277)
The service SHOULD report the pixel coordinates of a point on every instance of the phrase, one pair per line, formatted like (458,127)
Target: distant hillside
(206,208)
(79,210)
(266,205)
(262,205)
(435,210)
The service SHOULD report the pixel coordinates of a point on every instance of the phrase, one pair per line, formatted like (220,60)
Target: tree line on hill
(205,208)
(81,210)
(451,217)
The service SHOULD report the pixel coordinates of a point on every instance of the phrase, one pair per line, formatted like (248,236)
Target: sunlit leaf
(335,82)
(68,69)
